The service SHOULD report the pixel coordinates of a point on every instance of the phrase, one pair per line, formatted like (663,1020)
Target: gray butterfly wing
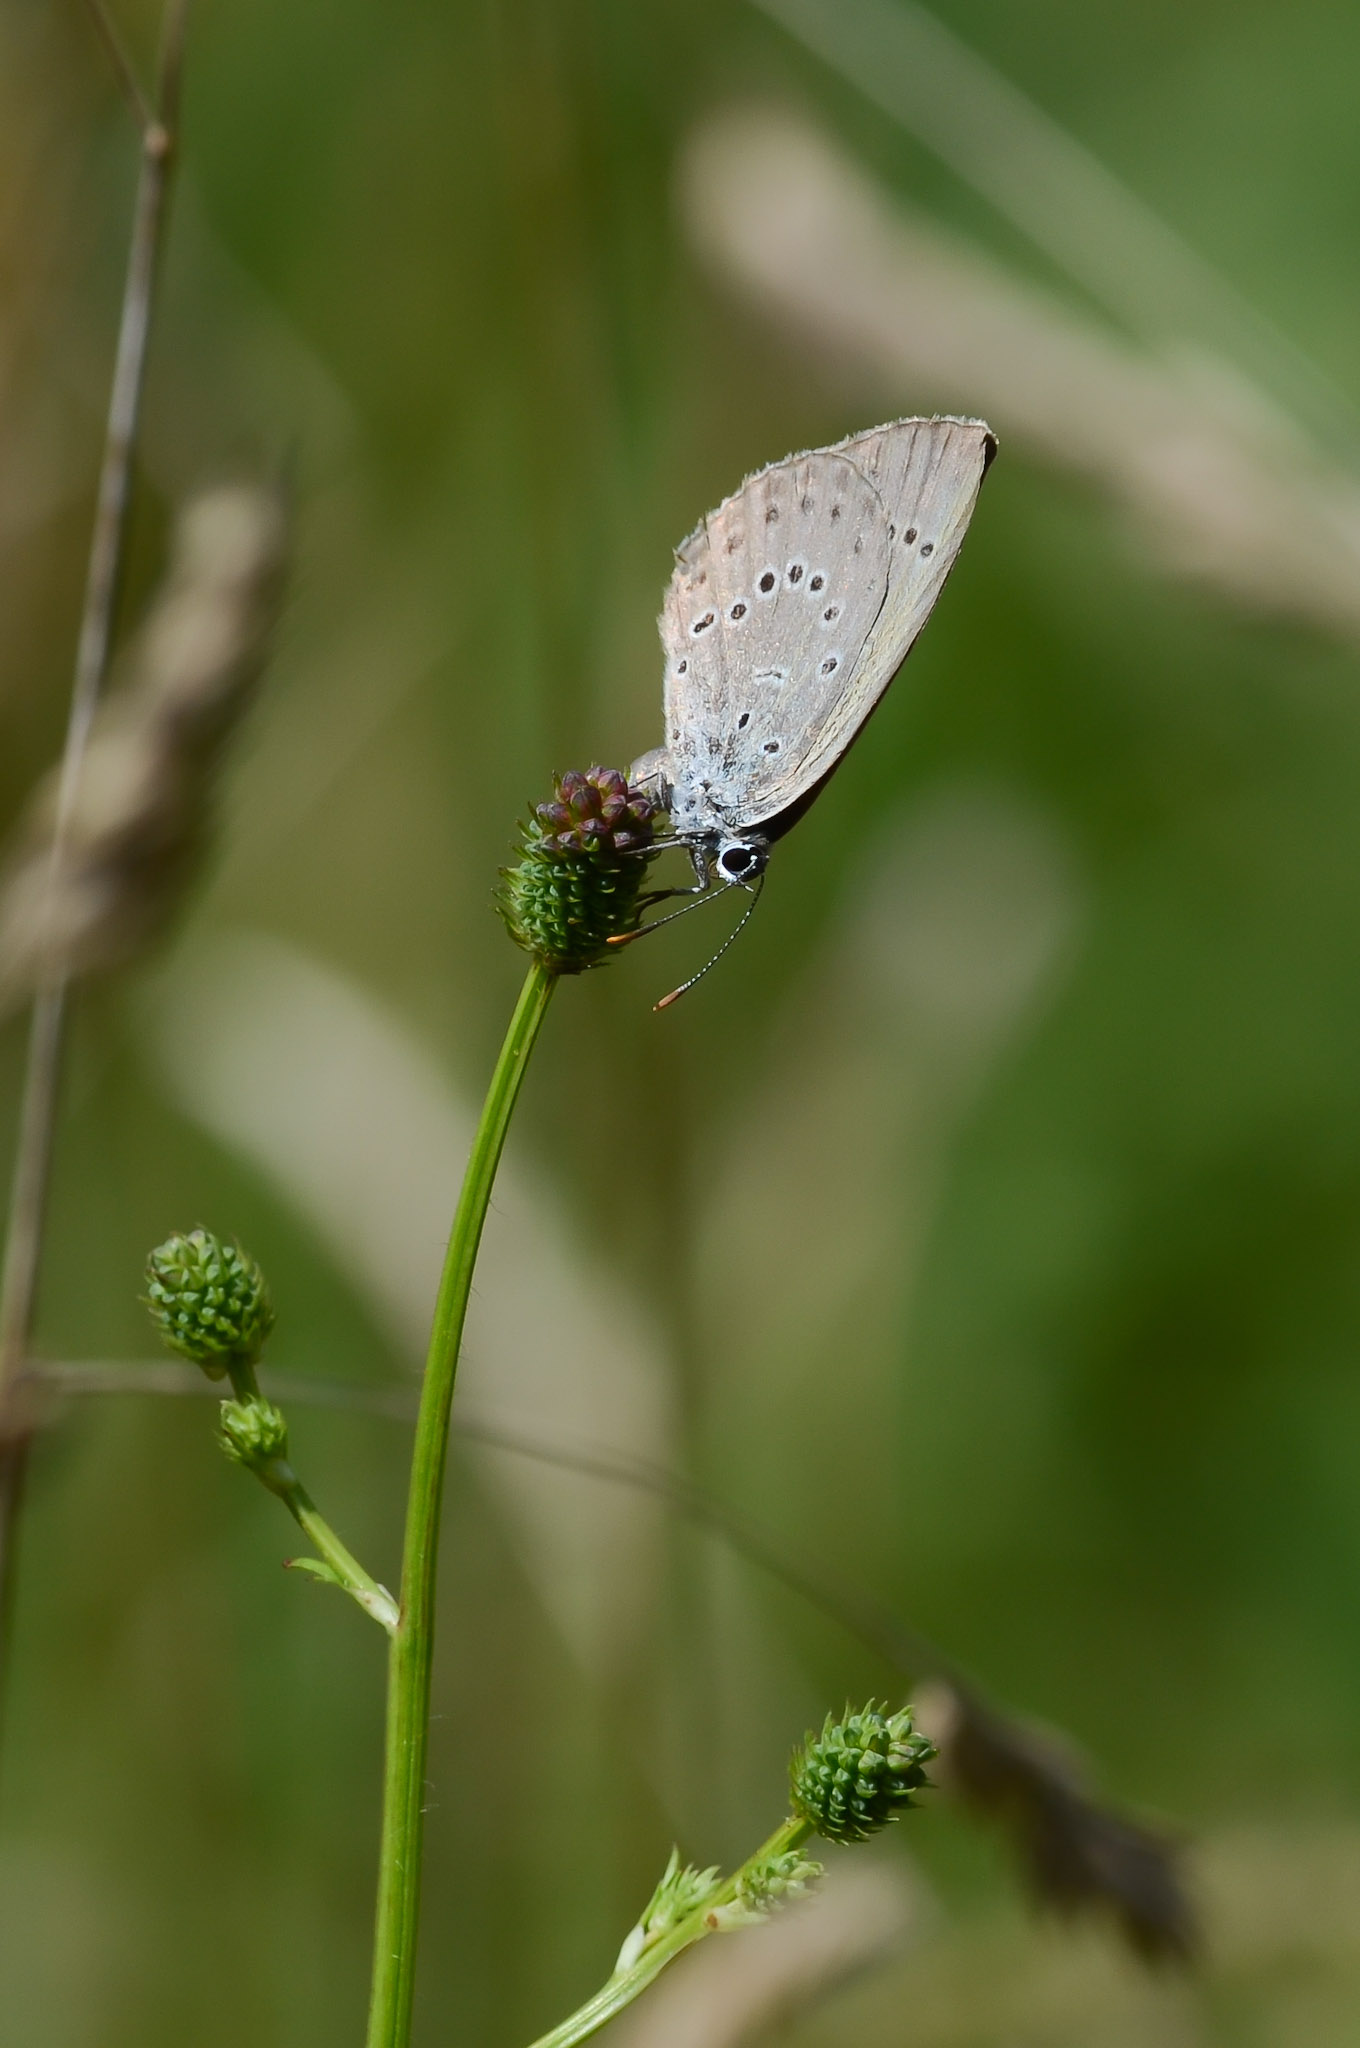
(768,615)
(928,473)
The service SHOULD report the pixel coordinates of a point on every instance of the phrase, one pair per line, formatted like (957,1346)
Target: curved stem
(342,1566)
(624,1986)
(410,1656)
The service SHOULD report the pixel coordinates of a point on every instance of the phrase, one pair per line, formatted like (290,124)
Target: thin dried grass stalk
(732,1990)
(1222,486)
(142,806)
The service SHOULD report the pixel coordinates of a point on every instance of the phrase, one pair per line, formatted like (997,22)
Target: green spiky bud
(209,1301)
(253,1433)
(763,1887)
(859,1773)
(777,1881)
(583,858)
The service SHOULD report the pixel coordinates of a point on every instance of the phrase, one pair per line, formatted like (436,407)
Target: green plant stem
(624,1986)
(411,1652)
(348,1572)
(344,1569)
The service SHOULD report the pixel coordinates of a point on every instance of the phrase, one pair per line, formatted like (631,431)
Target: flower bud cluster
(253,1433)
(777,1881)
(209,1301)
(682,1889)
(765,1886)
(860,1773)
(583,859)
(596,812)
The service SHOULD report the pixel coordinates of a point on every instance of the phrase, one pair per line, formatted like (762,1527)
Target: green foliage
(209,1301)
(579,878)
(860,1773)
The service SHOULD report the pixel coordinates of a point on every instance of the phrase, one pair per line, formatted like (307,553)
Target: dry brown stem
(42,1072)
(139,813)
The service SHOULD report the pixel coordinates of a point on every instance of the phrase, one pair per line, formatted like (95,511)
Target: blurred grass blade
(1214,486)
(1078,1853)
(1072,206)
(139,815)
(730,1992)
(329,1095)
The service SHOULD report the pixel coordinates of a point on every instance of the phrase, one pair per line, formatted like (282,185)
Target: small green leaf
(316,1569)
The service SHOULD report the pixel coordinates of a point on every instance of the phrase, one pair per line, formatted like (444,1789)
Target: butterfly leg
(705,886)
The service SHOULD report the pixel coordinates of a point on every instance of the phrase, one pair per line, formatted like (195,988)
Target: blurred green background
(989,1223)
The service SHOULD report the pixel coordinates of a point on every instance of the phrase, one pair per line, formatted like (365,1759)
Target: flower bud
(681,1891)
(253,1433)
(209,1301)
(579,877)
(859,1773)
(764,1887)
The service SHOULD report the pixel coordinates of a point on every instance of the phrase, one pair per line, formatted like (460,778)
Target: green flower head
(860,1773)
(209,1301)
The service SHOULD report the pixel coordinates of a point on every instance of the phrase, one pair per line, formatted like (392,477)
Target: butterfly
(790,611)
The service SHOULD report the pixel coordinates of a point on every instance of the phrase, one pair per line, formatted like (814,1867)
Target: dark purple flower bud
(579,879)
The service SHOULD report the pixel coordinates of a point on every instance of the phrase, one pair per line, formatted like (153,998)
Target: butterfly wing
(928,473)
(793,606)
(770,611)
